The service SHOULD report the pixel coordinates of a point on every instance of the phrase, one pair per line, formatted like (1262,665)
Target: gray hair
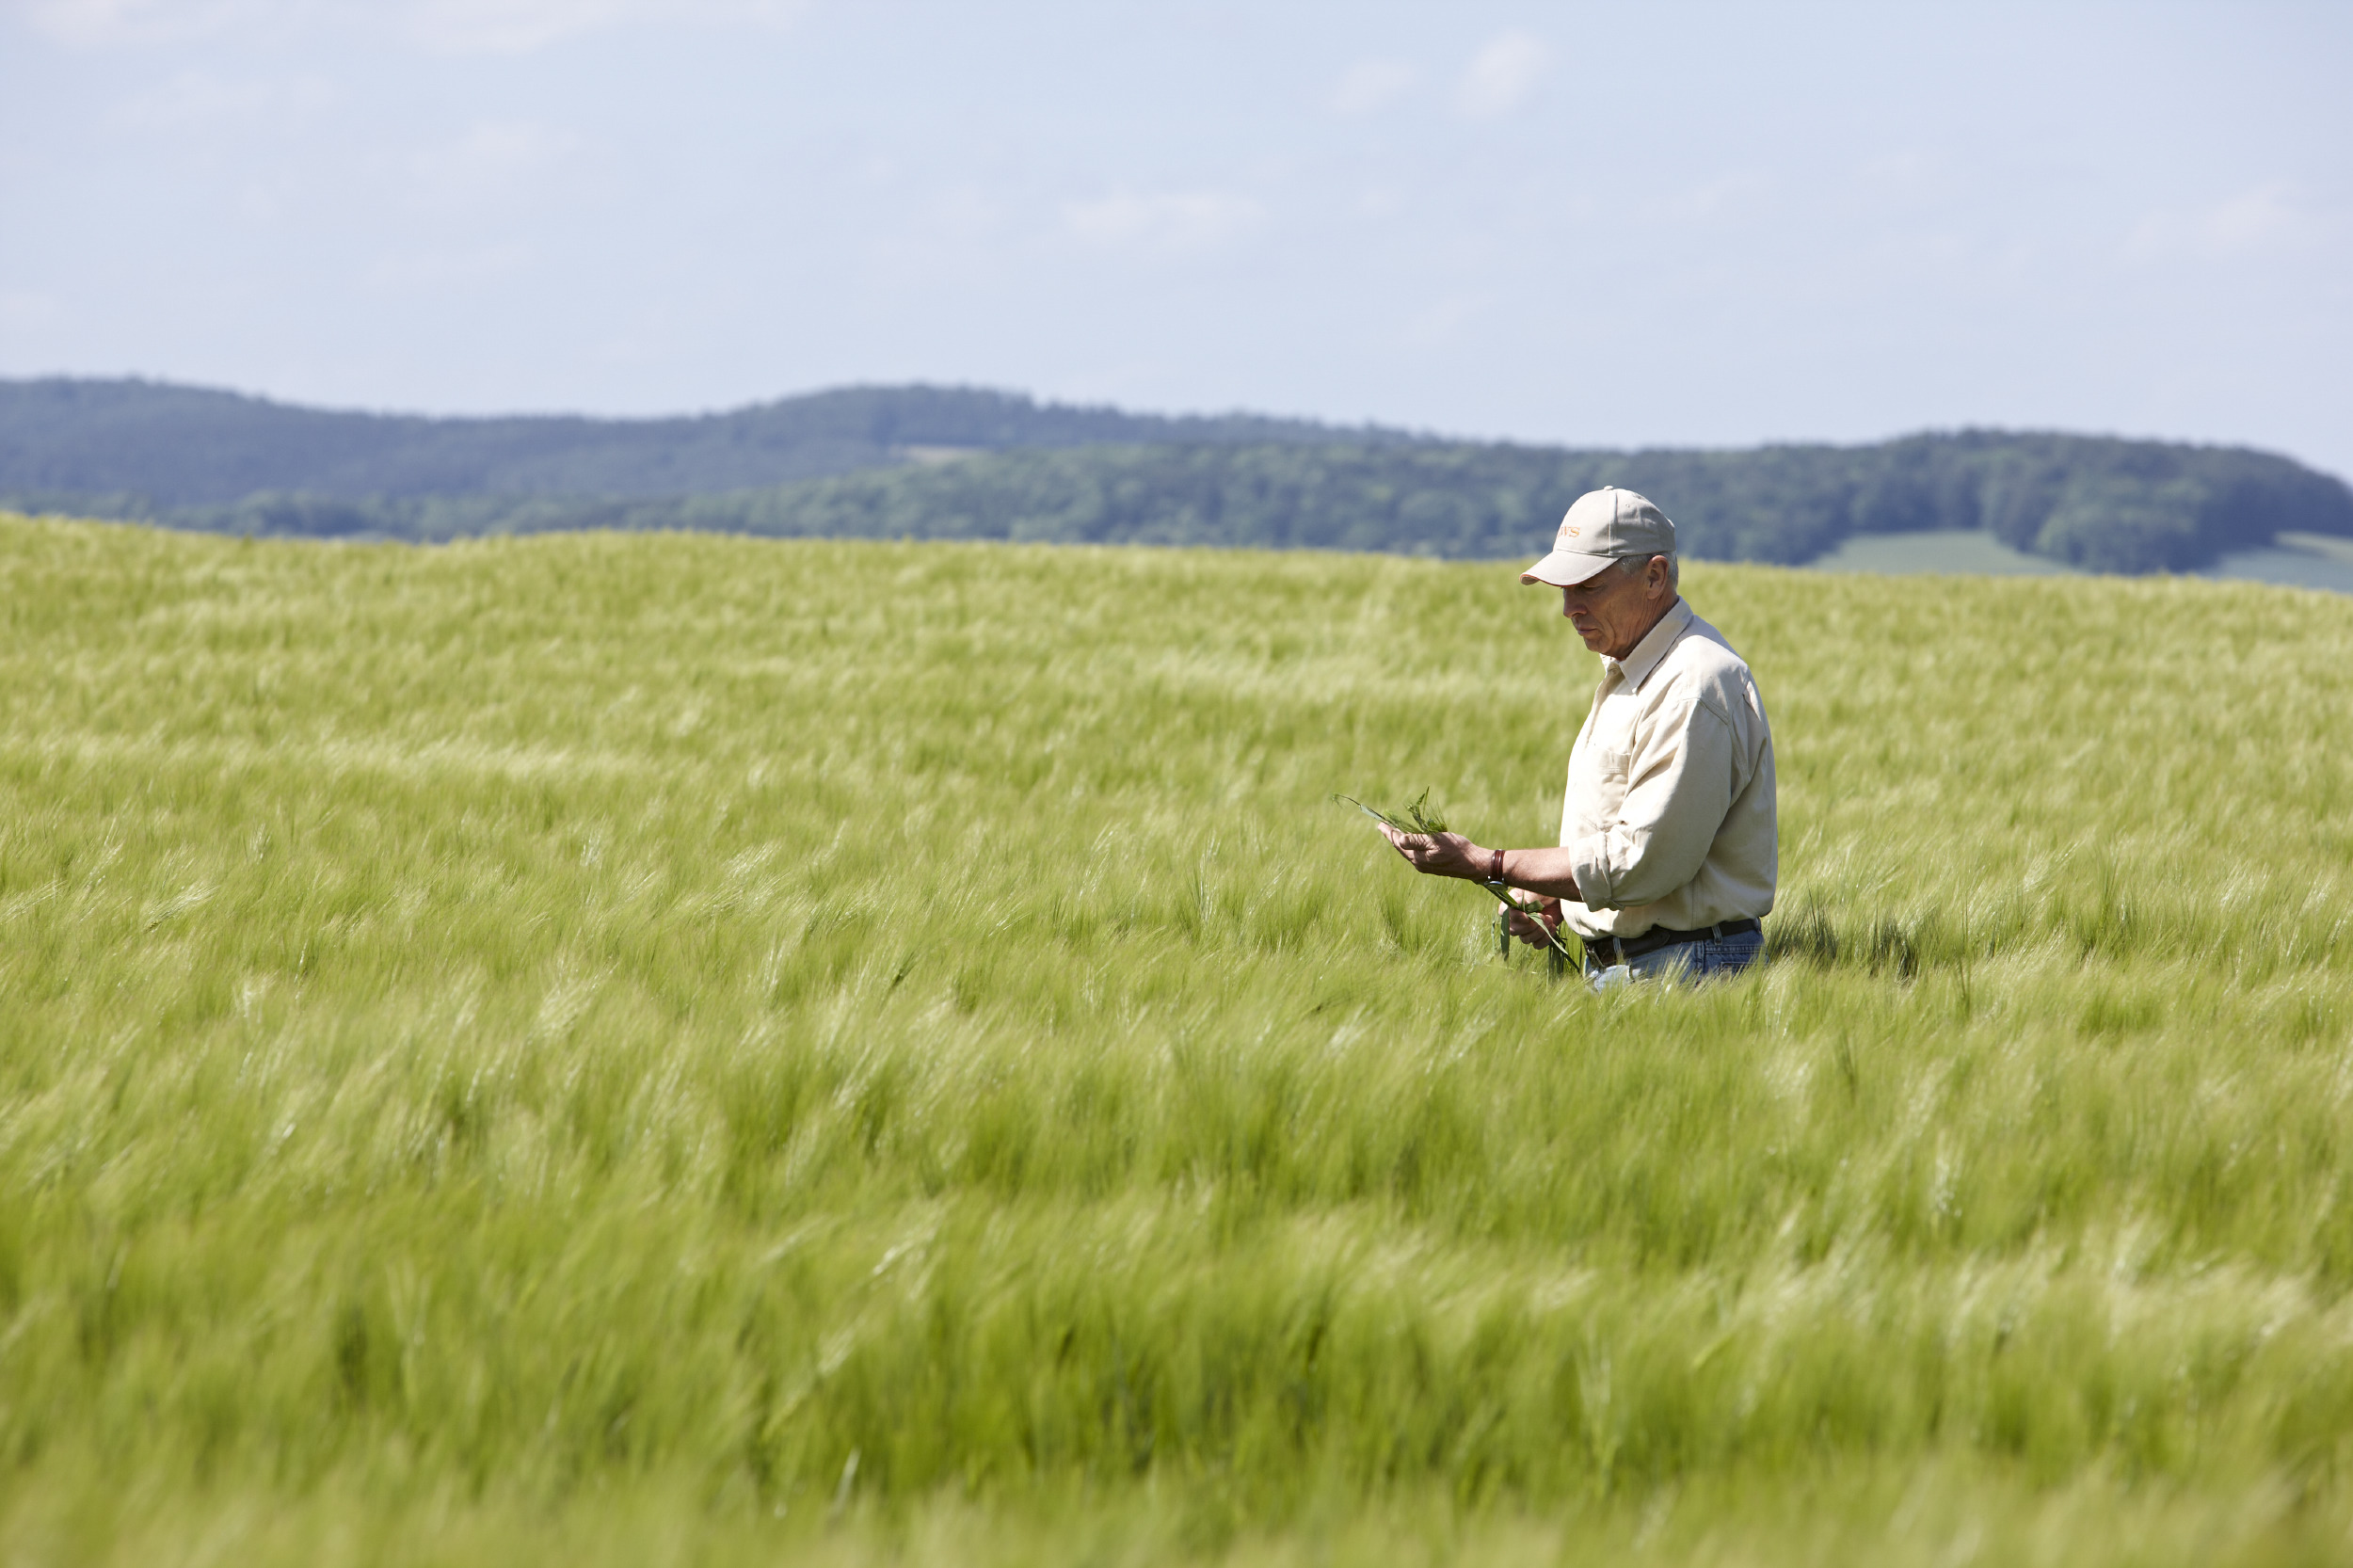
(1633,566)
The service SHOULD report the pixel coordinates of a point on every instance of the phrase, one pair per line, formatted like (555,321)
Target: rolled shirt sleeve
(1679,783)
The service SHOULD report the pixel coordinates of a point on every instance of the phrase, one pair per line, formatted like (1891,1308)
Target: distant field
(661,1049)
(2299,561)
(1944,550)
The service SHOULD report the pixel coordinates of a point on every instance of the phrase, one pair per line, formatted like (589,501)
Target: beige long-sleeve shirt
(1669,801)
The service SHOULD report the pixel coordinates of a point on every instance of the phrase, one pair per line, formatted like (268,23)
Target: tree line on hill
(171,446)
(2113,506)
(1020,471)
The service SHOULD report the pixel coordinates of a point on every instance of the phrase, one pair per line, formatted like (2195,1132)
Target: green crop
(1416,817)
(688,1050)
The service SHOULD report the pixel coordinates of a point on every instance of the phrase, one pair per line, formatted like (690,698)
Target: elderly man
(1668,850)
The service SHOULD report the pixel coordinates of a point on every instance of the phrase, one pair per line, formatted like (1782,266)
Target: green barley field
(634,1050)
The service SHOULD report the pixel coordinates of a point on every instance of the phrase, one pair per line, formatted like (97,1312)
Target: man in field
(1667,852)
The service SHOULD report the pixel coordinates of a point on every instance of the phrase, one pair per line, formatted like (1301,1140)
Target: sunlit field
(619,1049)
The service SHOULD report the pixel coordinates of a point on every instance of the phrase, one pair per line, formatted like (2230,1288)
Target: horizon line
(1319,422)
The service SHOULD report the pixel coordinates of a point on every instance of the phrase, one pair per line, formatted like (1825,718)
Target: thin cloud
(1371,85)
(523,26)
(443,26)
(1501,75)
(195,100)
(2259,219)
(20,310)
(2262,220)
(1442,325)
(505,26)
(428,271)
(965,214)
(115,24)
(1721,200)
(1173,221)
(489,160)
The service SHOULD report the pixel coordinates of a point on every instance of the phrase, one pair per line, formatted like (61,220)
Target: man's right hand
(1536,928)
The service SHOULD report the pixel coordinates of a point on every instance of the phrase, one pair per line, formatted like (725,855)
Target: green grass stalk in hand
(1418,818)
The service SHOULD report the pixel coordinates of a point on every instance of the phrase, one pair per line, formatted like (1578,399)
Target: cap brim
(1561,569)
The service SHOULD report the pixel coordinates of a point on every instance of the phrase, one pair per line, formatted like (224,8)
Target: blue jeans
(1705,959)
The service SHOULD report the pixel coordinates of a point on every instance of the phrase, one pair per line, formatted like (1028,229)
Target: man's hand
(1549,873)
(1440,853)
(1536,927)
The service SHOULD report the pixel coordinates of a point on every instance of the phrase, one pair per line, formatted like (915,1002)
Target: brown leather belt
(1617,949)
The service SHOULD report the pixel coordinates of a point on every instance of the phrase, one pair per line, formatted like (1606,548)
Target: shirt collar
(1636,666)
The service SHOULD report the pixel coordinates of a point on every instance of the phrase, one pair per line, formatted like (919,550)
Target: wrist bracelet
(1494,868)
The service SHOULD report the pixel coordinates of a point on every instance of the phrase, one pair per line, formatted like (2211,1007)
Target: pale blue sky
(1596,225)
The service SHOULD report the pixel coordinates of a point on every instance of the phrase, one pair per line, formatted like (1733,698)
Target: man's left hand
(1440,853)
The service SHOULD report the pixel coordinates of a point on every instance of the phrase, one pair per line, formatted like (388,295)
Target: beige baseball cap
(1602,526)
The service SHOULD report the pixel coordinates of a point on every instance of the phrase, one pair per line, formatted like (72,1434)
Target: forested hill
(174,446)
(946,463)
